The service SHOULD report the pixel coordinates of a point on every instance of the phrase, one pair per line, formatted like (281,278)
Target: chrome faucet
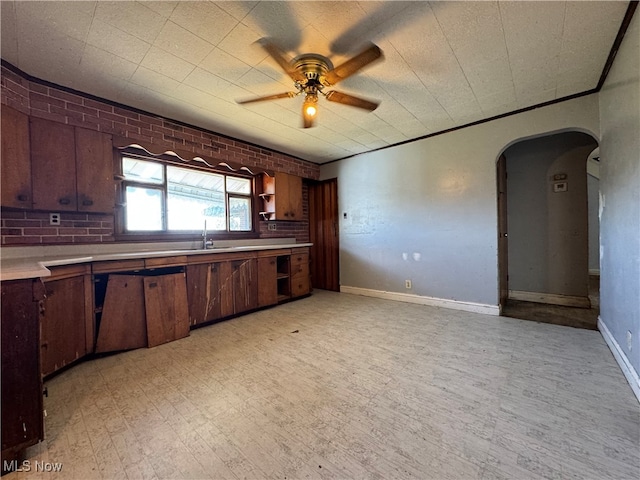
(206,243)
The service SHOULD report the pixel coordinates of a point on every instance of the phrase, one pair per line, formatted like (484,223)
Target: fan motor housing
(312,65)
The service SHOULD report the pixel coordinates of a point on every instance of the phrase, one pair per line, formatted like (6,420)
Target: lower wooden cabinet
(167,312)
(143,311)
(267,281)
(123,319)
(300,279)
(66,320)
(245,285)
(22,421)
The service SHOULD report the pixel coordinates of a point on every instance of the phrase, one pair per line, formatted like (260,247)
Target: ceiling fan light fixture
(309,109)
(310,105)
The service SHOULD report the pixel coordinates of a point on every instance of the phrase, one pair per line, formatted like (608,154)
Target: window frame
(121,232)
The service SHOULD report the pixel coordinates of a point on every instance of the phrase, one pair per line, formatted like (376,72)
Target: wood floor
(557,314)
(342,386)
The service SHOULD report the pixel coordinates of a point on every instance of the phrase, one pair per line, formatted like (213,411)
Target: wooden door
(323,228)
(166,308)
(63,323)
(53,165)
(94,171)
(503,243)
(123,324)
(267,281)
(22,421)
(16,159)
(245,285)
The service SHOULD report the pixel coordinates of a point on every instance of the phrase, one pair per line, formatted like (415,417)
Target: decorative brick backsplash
(43,100)
(31,228)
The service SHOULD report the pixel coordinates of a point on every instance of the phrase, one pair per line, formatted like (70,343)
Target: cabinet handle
(153,285)
(64,201)
(87,202)
(23,198)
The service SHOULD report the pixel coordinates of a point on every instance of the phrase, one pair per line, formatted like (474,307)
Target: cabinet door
(204,293)
(225,274)
(267,281)
(53,165)
(295,198)
(63,323)
(245,285)
(166,308)
(94,171)
(123,324)
(22,423)
(16,160)
(288,197)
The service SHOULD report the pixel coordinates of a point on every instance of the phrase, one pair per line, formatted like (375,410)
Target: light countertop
(32,262)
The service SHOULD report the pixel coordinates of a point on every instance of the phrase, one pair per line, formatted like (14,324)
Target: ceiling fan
(311,73)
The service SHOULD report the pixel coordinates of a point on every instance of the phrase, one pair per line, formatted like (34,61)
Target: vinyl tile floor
(338,386)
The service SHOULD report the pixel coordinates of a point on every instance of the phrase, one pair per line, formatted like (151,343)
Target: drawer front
(300,285)
(299,259)
(300,268)
(68,271)
(118,266)
(177,261)
(274,253)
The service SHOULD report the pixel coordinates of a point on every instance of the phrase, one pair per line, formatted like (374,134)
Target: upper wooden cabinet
(16,162)
(53,164)
(71,168)
(282,197)
(94,171)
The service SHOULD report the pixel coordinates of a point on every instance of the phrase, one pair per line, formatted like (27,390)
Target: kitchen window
(160,197)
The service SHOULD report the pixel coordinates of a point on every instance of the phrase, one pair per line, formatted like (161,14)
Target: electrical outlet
(407,284)
(54,219)
(272,226)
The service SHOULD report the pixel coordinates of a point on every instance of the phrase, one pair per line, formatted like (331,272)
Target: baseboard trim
(627,369)
(552,298)
(422,300)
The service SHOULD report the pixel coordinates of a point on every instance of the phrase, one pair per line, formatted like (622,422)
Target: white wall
(435,200)
(620,189)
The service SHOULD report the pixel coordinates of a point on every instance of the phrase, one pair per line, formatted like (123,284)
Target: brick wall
(42,100)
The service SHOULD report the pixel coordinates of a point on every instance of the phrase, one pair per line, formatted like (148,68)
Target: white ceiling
(446,63)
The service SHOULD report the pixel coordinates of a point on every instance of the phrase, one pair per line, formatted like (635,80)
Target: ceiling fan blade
(279,57)
(346,99)
(353,65)
(268,97)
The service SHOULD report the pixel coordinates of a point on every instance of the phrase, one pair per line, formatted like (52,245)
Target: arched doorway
(544,221)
